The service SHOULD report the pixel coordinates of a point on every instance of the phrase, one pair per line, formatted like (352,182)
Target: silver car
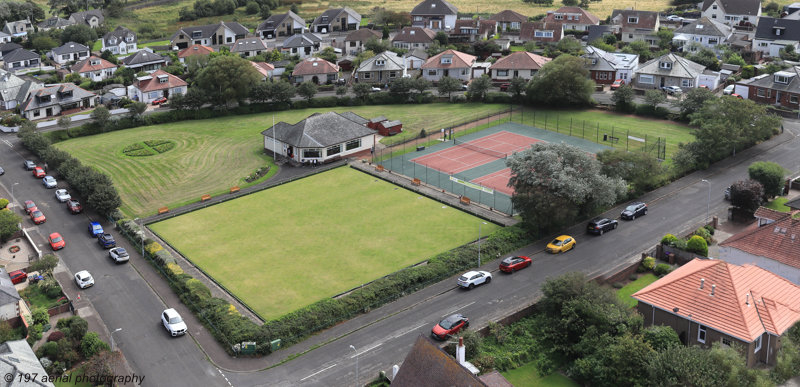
(49,181)
(119,254)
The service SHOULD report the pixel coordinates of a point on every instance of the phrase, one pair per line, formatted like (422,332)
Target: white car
(376,89)
(728,90)
(472,279)
(173,322)
(84,279)
(118,254)
(674,18)
(49,181)
(62,195)
(673,90)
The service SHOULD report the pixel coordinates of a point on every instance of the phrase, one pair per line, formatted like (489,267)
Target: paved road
(120,296)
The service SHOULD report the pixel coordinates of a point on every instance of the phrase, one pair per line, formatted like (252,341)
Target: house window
(714,16)
(630,36)
(687,83)
(760,92)
(701,334)
(515,25)
(417,18)
(352,44)
(36,113)
(793,99)
(714,6)
(778,31)
(311,153)
(633,20)
(334,150)
(646,79)
(392,74)
(758,344)
(558,16)
(447,60)
(727,341)
(152,95)
(502,73)
(665,65)
(367,75)
(602,75)
(463,71)
(353,144)
(64,57)
(543,34)
(431,72)
(713,41)
(781,79)
(380,62)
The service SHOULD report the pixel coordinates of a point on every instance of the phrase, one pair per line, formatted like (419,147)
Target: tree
(376,45)
(448,85)
(385,32)
(79,33)
(64,122)
(705,57)
(641,48)
(307,90)
(227,78)
(341,90)
(570,45)
(103,363)
(45,265)
(654,98)
(401,87)
(788,53)
(328,54)
(441,37)
(283,92)
(569,3)
(362,90)
(661,337)
(601,44)
(136,109)
(548,203)
(421,84)
(194,99)
(770,175)
(693,100)
(616,362)
(266,12)
(746,195)
(100,116)
(104,199)
(91,345)
(9,222)
(479,87)
(564,81)
(517,86)
(623,99)
(665,36)
(43,43)
(252,8)
(736,59)
(641,170)
(530,46)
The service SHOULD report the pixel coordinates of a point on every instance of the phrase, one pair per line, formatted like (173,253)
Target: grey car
(49,181)
(29,165)
(118,254)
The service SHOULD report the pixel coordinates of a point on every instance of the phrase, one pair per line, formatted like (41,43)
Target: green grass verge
(624,293)
(156,43)
(98,45)
(36,298)
(72,380)
(213,155)
(517,48)
(528,376)
(286,247)
(777,204)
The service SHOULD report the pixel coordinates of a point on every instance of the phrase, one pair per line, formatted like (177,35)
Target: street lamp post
(708,202)
(479,243)
(12,190)
(112,338)
(356,351)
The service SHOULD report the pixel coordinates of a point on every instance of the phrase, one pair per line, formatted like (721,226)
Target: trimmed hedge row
(229,327)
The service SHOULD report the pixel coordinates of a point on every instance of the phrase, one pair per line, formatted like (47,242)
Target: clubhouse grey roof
(19,55)
(17,360)
(705,26)
(389,124)
(736,7)
(302,40)
(69,48)
(142,57)
(248,44)
(391,60)
(319,130)
(120,34)
(434,7)
(354,117)
(681,67)
(207,30)
(790,29)
(378,119)
(8,294)
(55,22)
(277,19)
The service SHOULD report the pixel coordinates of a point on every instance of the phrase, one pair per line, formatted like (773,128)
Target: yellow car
(561,244)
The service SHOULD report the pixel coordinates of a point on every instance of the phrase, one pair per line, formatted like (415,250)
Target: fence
(435,132)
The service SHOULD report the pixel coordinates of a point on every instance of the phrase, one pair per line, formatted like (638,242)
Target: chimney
(461,351)
(747,300)
(713,287)
(702,282)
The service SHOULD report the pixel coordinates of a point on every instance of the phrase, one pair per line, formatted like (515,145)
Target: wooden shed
(389,128)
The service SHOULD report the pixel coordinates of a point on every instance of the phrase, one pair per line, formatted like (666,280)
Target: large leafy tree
(8,224)
(362,90)
(18,10)
(623,98)
(517,86)
(556,183)
(641,170)
(479,87)
(227,78)
(641,48)
(563,81)
(282,91)
(307,90)
(747,195)
(448,85)
(79,33)
(770,175)
(693,100)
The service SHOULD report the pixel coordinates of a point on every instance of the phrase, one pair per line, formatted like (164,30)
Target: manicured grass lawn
(777,204)
(213,155)
(98,45)
(286,247)
(36,298)
(624,293)
(528,376)
(156,43)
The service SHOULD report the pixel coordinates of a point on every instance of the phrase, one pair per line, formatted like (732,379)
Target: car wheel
(513,269)
(633,217)
(466,325)
(615,226)
(645,212)
(601,231)
(471,286)
(489,280)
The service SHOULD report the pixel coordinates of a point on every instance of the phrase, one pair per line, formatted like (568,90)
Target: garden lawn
(213,155)
(37,299)
(777,204)
(624,293)
(528,376)
(286,247)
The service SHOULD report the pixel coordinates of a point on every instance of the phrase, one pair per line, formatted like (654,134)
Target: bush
(153,248)
(709,228)
(3,203)
(633,277)
(55,336)
(697,244)
(49,350)
(91,345)
(649,263)
(703,233)
(40,316)
(34,333)
(662,269)
(174,270)
(45,265)
(617,285)
(669,240)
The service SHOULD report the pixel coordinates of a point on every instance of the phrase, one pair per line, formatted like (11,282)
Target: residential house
(195,49)
(156,85)
(208,35)
(382,68)
(144,60)
(426,364)
(354,42)
(4,38)
(121,41)
(316,70)
(282,24)
(636,25)
(520,64)
(55,100)
(6,48)
(336,19)
(599,32)
(19,363)
(774,34)
(573,18)
(54,23)
(780,89)
(303,45)
(280,67)
(606,67)
(18,28)
(508,20)
(449,63)
(541,32)
(318,138)
(732,12)
(20,59)
(9,298)
(94,68)
(415,58)
(14,90)
(438,15)
(413,37)
(674,70)
(93,18)
(265,69)
(471,30)
(702,33)
(69,52)
(249,47)
(709,301)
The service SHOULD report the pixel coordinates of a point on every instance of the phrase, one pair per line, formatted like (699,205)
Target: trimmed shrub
(152,248)
(40,316)
(649,263)
(163,257)
(617,285)
(174,270)
(697,244)
(55,336)
(703,233)
(91,345)
(669,240)
(709,228)
(662,269)
(3,203)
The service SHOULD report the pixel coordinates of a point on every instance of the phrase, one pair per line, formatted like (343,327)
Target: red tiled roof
(771,306)
(311,66)
(195,49)
(86,66)
(779,240)
(414,35)
(263,67)
(521,60)
(768,213)
(586,17)
(527,30)
(509,16)
(154,84)
(460,60)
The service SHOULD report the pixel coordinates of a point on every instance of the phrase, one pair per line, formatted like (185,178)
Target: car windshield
(57,239)
(121,251)
(175,320)
(449,322)
(557,242)
(508,261)
(462,278)
(96,227)
(84,277)
(30,205)
(631,208)
(37,213)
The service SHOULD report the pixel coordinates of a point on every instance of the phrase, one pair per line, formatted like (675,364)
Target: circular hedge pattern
(148,148)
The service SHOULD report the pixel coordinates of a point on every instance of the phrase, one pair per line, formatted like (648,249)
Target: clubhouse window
(334,150)
(353,144)
(311,153)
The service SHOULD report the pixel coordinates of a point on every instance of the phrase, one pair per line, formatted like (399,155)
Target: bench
(416,181)
(379,168)
(163,210)
(205,197)
(464,200)
(235,189)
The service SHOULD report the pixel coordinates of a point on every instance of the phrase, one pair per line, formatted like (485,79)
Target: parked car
(465,87)
(734,95)
(38,172)
(84,279)
(159,101)
(672,90)
(74,206)
(30,206)
(634,210)
(119,254)
(471,279)
(561,244)
(449,326)
(674,18)
(600,225)
(728,90)
(375,89)
(173,322)
(56,241)
(49,182)
(18,276)
(512,264)
(617,84)
(95,229)
(2,171)
(38,217)
(62,195)
(29,165)
(728,193)
(504,86)
(106,240)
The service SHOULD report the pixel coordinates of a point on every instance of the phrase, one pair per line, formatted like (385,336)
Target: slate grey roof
(354,117)
(319,130)
(414,35)
(768,80)
(705,26)
(16,360)
(8,294)
(69,48)
(790,29)
(377,119)
(56,92)
(83,16)
(418,53)
(19,55)
(736,7)
(302,40)
(599,31)
(277,19)
(55,22)
(434,7)
(332,13)
(362,35)
(15,88)
(793,204)
(248,44)
(391,62)
(142,57)
(120,34)
(681,67)
(8,47)
(207,30)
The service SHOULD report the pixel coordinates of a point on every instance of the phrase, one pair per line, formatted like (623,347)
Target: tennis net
(486,151)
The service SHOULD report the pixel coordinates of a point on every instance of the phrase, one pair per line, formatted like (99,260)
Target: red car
(18,276)
(505,86)
(617,84)
(38,217)
(74,206)
(56,241)
(512,264)
(159,101)
(734,95)
(449,326)
(30,206)
(38,172)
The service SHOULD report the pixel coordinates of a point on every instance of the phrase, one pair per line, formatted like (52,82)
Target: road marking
(408,331)
(226,378)
(366,350)
(8,143)
(457,309)
(320,371)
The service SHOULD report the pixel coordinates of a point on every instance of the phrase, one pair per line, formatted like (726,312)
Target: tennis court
(469,154)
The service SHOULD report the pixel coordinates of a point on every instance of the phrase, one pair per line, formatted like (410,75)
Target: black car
(29,165)
(106,240)
(634,210)
(601,225)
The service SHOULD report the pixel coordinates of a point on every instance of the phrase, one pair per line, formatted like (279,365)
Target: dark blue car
(95,229)
(106,240)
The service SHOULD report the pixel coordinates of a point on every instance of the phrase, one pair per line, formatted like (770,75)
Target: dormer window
(594,61)
(665,65)
(95,62)
(197,34)
(324,19)
(163,79)
(66,94)
(44,98)
(699,26)
(783,77)
(714,7)
(576,17)
(447,60)
(411,32)
(777,31)
(633,20)
(380,62)
(558,16)
(112,40)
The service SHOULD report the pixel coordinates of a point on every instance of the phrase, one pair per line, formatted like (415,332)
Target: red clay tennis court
(476,152)
(497,181)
